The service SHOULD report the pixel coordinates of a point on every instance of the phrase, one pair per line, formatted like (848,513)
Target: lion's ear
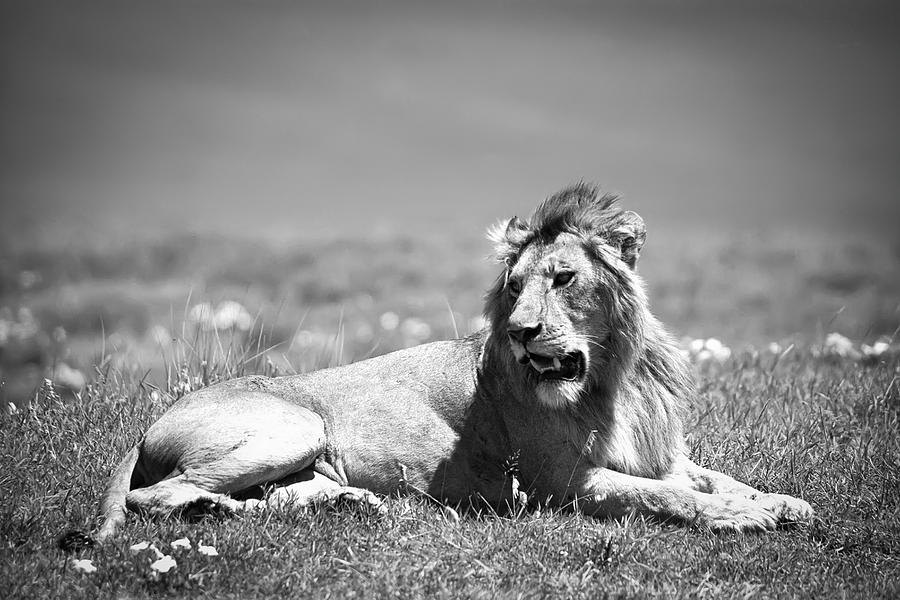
(629,235)
(508,238)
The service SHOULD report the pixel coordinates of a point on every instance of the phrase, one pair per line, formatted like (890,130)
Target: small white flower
(876,349)
(68,377)
(389,321)
(230,314)
(704,356)
(837,344)
(721,354)
(774,348)
(713,345)
(181,543)
(706,350)
(207,550)
(83,565)
(203,314)
(881,347)
(139,547)
(164,564)
(415,328)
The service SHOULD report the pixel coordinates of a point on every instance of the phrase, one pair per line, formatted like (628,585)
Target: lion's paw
(365,498)
(737,514)
(788,509)
(253,505)
(355,496)
(210,505)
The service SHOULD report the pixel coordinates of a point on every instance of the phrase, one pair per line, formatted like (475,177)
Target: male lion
(573,391)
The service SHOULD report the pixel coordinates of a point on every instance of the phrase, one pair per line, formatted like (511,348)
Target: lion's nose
(525,333)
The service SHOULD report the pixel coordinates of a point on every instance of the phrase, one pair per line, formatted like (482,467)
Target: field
(790,410)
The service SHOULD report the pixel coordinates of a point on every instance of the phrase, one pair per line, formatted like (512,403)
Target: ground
(785,412)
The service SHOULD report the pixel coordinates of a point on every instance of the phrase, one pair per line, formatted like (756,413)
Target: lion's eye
(515,288)
(563,278)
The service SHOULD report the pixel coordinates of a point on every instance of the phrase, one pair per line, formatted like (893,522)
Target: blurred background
(319,176)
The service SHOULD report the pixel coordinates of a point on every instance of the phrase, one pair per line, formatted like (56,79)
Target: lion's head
(569,308)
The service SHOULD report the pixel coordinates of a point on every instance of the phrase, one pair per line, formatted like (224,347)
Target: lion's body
(353,419)
(572,392)
(431,418)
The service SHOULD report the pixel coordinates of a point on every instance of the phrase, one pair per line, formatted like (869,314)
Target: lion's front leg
(608,493)
(787,508)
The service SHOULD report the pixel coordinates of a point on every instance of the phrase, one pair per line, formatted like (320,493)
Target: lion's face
(566,306)
(554,323)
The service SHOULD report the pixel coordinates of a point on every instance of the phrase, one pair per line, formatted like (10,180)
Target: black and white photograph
(510,299)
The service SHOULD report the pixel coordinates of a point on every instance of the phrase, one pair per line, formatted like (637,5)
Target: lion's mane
(638,382)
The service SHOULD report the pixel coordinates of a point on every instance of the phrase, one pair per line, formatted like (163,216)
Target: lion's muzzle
(550,364)
(567,367)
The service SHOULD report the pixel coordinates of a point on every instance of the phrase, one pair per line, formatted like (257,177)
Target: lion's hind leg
(178,495)
(305,489)
(219,446)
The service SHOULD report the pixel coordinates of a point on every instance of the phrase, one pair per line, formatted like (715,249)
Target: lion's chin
(558,393)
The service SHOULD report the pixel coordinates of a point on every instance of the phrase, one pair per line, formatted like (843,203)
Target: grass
(820,427)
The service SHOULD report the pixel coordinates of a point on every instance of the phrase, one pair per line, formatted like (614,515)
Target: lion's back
(440,374)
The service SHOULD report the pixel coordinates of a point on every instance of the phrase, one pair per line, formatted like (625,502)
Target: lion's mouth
(568,367)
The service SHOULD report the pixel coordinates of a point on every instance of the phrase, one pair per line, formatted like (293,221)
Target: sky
(302,119)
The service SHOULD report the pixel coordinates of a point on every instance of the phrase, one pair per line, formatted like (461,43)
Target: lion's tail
(112,506)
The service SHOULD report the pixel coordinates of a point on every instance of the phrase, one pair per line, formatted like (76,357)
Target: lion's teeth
(540,368)
(542,365)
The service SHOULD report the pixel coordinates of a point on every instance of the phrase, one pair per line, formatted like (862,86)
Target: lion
(572,396)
